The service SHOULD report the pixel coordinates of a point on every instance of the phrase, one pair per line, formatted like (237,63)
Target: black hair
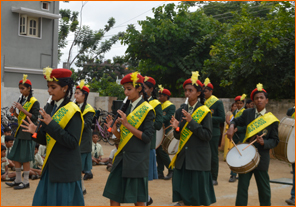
(36,146)
(7,129)
(68,95)
(249,101)
(240,100)
(3,148)
(85,99)
(265,94)
(168,97)
(154,92)
(95,133)
(145,96)
(207,87)
(9,138)
(202,95)
(30,93)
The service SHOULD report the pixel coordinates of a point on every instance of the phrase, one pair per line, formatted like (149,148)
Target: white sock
(18,177)
(82,184)
(26,177)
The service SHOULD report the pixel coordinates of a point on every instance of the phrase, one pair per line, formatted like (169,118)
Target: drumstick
(253,141)
(236,147)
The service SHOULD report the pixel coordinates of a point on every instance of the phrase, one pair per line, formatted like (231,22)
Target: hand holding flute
(123,103)
(183,113)
(12,109)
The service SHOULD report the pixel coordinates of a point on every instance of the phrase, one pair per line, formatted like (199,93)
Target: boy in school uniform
(7,132)
(218,117)
(263,127)
(35,171)
(111,156)
(5,175)
(8,144)
(168,110)
(97,151)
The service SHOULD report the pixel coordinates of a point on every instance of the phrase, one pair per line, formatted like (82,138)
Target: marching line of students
(66,132)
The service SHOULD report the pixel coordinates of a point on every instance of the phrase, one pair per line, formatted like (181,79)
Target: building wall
(27,52)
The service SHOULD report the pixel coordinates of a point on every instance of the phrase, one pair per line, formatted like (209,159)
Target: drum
(285,150)
(243,164)
(170,143)
(159,137)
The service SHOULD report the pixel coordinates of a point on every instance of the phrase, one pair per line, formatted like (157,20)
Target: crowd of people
(66,148)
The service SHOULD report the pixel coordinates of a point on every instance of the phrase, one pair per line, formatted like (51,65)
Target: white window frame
(44,2)
(39,27)
(33,28)
(23,26)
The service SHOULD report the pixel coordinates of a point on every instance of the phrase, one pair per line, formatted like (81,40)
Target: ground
(161,190)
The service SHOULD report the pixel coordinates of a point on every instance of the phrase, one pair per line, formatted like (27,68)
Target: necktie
(190,109)
(128,109)
(257,115)
(96,153)
(53,110)
(8,151)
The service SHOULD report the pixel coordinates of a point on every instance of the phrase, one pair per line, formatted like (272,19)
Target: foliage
(256,49)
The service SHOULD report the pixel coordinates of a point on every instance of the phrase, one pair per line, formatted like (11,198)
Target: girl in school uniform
(22,151)
(192,180)
(88,113)
(149,88)
(61,130)
(128,179)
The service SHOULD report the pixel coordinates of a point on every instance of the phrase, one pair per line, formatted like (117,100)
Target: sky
(96,14)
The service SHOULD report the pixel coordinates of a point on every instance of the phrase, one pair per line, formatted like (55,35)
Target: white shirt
(99,150)
(3,139)
(261,112)
(191,111)
(4,164)
(42,150)
(113,153)
(134,104)
(38,161)
(58,103)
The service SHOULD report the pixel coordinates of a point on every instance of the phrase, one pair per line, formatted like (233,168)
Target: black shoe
(149,202)
(12,179)
(169,175)
(215,182)
(84,192)
(12,184)
(34,177)
(22,186)
(88,176)
(291,201)
(232,179)
(160,176)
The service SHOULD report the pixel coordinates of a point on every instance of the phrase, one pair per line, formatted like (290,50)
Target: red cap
(190,81)
(237,98)
(128,78)
(210,86)
(83,88)
(27,82)
(165,91)
(253,93)
(59,73)
(149,79)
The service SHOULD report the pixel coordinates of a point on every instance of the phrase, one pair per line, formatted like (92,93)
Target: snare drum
(243,164)
(285,150)
(159,137)
(170,143)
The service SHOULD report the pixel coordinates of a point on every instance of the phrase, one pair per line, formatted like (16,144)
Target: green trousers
(262,180)
(162,159)
(214,143)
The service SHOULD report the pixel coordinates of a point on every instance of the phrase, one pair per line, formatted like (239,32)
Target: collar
(134,104)
(80,105)
(193,105)
(58,103)
(150,98)
(261,112)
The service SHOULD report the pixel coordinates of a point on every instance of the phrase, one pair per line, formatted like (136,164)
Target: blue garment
(86,162)
(57,194)
(293,188)
(152,174)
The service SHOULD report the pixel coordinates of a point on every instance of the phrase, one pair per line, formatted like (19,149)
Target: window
(29,26)
(45,6)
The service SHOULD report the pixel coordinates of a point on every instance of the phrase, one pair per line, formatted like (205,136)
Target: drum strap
(198,115)
(210,101)
(259,124)
(135,118)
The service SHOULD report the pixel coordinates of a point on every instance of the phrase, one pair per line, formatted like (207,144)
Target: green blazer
(218,116)
(168,112)
(239,135)
(86,139)
(196,154)
(271,139)
(157,124)
(135,154)
(35,112)
(290,111)
(64,161)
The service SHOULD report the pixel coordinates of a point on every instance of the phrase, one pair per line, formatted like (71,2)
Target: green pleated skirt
(193,187)
(125,190)
(22,151)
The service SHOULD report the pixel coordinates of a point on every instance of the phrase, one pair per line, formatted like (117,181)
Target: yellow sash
(62,117)
(198,115)
(135,118)
(166,104)
(293,115)
(259,124)
(210,101)
(88,108)
(154,103)
(22,116)
(239,113)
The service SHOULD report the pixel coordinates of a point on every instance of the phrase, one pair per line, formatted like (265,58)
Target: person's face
(251,105)
(3,153)
(233,108)
(36,151)
(7,133)
(56,91)
(9,144)
(131,92)
(79,96)
(95,138)
(148,90)
(207,93)
(162,98)
(239,104)
(24,90)
(260,101)
(191,92)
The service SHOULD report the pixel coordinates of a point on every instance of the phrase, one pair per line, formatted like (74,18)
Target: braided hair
(85,99)
(154,92)
(68,95)
(30,93)
(145,96)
